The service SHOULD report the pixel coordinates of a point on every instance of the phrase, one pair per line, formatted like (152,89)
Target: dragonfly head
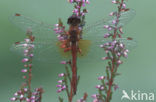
(74,20)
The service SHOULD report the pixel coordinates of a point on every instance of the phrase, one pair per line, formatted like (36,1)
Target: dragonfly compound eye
(74,20)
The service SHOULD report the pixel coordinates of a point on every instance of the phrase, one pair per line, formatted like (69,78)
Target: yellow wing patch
(61,50)
(84,46)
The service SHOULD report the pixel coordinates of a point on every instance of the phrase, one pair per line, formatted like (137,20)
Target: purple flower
(83,4)
(113,43)
(114,22)
(61,75)
(21,96)
(111,47)
(75,11)
(104,58)
(63,62)
(16,94)
(127,50)
(101,88)
(82,14)
(25,89)
(83,1)
(124,5)
(114,2)
(60,37)
(24,70)
(13,99)
(106,51)
(19,92)
(59,90)
(25,45)
(25,60)
(71,1)
(121,45)
(56,25)
(94,96)
(32,100)
(31,55)
(87,2)
(98,86)
(111,14)
(34,93)
(26,51)
(56,29)
(125,54)
(27,40)
(59,86)
(106,26)
(63,87)
(106,35)
(118,54)
(60,81)
(27,99)
(101,78)
(109,28)
(32,97)
(119,62)
(96,100)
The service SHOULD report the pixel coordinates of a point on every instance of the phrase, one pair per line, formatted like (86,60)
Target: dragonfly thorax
(73,36)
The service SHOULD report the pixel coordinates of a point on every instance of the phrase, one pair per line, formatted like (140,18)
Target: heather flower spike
(25,93)
(69,40)
(115,49)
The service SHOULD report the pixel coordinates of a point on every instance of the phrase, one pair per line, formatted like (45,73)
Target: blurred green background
(138,71)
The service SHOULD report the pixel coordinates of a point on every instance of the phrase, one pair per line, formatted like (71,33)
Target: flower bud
(61,75)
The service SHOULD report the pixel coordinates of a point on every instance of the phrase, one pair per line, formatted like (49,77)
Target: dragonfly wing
(18,48)
(40,30)
(51,53)
(43,51)
(129,44)
(95,34)
(45,40)
(97,29)
(93,53)
(125,17)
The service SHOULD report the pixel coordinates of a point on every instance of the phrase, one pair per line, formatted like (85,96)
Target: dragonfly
(82,43)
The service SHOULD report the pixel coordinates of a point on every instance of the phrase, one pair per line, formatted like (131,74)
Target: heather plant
(25,93)
(76,22)
(115,48)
